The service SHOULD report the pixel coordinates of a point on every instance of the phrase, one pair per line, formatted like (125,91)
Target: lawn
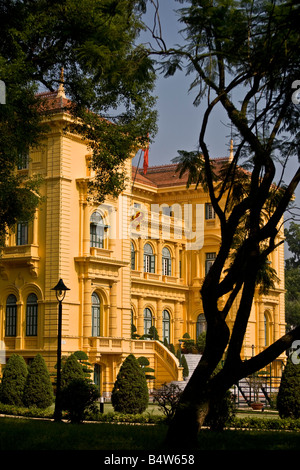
(28,434)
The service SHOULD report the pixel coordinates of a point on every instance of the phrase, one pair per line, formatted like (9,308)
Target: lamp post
(60,291)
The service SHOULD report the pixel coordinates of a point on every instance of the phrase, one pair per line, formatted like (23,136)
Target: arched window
(166,262)
(95,315)
(97,230)
(147,320)
(11,316)
(31,315)
(149,259)
(201,325)
(166,325)
(132,250)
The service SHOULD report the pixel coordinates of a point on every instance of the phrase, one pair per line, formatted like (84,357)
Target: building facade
(137,260)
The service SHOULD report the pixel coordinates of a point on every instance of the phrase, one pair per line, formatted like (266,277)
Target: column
(177,259)
(158,324)
(159,257)
(140,318)
(85,230)
(113,311)
(140,260)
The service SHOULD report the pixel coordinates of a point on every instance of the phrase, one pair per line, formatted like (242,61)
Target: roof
(53,101)
(163,175)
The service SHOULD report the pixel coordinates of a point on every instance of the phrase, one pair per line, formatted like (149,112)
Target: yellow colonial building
(136,260)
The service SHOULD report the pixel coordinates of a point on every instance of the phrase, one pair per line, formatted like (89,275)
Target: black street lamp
(60,291)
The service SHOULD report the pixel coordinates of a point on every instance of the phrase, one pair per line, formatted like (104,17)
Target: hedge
(268,424)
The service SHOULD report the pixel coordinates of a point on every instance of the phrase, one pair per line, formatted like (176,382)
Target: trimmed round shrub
(38,390)
(130,391)
(288,399)
(13,381)
(79,398)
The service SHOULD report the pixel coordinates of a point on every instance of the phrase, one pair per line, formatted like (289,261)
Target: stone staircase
(192,361)
(242,391)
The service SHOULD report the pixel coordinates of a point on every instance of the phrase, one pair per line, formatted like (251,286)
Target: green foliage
(71,370)
(105,74)
(185,366)
(201,341)
(82,357)
(292,235)
(288,398)
(188,346)
(79,398)
(32,412)
(144,363)
(134,334)
(13,381)
(153,333)
(167,398)
(130,391)
(38,389)
(292,276)
(221,413)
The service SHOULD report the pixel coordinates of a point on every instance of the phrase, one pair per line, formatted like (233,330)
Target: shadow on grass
(26,434)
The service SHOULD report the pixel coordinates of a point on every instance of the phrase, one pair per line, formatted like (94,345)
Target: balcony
(20,256)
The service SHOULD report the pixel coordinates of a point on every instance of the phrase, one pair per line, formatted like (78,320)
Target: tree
(78,398)
(185,366)
(71,370)
(38,390)
(82,358)
(244,58)
(288,398)
(292,235)
(292,276)
(130,391)
(144,364)
(108,80)
(13,381)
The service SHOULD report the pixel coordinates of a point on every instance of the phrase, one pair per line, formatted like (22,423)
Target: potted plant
(255,382)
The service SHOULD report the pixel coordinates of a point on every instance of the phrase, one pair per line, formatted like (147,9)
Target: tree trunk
(194,404)
(187,422)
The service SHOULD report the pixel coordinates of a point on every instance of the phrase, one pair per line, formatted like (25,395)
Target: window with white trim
(166,262)
(149,259)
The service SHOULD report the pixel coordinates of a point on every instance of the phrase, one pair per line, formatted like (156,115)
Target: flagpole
(137,167)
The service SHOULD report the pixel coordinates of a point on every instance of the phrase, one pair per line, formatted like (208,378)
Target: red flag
(146,157)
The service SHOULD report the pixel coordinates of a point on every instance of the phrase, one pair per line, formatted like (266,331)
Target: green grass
(27,434)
